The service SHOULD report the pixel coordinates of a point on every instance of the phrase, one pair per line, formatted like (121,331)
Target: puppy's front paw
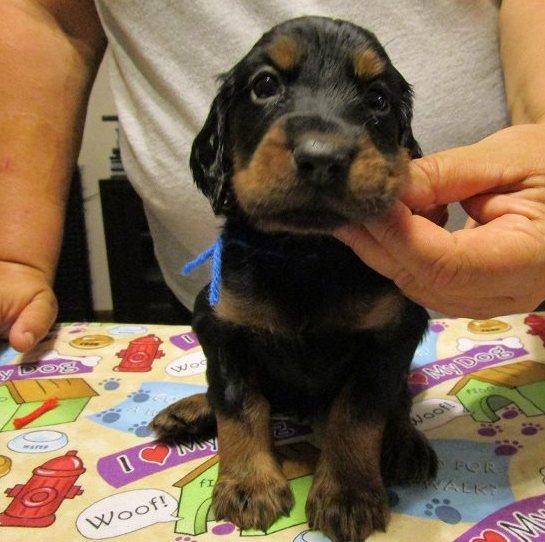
(346,512)
(253,501)
(408,459)
(186,419)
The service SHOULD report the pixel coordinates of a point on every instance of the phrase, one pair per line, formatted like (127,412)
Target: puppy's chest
(304,297)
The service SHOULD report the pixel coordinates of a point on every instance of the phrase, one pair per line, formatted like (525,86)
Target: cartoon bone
(464,343)
(88,361)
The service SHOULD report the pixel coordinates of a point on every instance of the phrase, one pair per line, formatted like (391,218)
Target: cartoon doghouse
(22,397)
(485,392)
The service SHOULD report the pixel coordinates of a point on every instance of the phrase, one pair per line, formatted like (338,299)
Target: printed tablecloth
(88,467)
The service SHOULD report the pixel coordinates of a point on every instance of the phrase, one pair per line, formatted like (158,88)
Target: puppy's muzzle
(321,150)
(321,162)
(311,174)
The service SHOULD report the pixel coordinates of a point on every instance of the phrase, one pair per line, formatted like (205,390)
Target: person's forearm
(522,38)
(49,53)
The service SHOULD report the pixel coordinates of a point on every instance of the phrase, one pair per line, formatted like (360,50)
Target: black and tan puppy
(309,131)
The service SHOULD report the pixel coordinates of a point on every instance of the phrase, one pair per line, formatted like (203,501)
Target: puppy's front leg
(348,500)
(251,490)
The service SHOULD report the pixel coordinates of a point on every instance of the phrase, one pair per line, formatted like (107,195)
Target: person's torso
(166,55)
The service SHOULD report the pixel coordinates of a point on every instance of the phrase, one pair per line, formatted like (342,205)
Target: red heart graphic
(490,536)
(418,378)
(155,454)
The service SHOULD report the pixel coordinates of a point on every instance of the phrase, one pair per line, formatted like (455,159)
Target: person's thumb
(34,321)
(462,172)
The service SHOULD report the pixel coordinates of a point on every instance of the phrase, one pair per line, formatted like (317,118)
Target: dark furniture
(72,281)
(139,293)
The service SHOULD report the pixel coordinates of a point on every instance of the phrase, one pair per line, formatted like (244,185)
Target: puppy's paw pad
(348,514)
(252,504)
(187,418)
(412,461)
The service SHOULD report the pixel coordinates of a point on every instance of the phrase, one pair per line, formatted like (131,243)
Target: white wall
(98,140)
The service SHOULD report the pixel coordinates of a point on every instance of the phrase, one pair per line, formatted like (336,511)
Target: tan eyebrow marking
(285,52)
(368,64)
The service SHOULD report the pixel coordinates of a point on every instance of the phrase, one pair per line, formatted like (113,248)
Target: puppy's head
(310,130)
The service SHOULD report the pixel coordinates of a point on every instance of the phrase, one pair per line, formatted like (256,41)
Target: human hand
(28,306)
(496,265)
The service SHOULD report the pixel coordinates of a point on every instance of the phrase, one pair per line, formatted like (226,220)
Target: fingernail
(30,339)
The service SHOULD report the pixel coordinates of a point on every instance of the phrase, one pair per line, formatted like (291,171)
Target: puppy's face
(309,131)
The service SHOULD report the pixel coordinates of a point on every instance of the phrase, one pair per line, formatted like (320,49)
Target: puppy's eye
(377,100)
(265,86)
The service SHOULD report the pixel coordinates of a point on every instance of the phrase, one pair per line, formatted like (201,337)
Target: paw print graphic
(141,429)
(507,447)
(140,396)
(510,413)
(110,384)
(110,416)
(443,510)
(489,430)
(530,429)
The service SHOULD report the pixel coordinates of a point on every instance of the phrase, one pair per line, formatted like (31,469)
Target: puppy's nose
(322,162)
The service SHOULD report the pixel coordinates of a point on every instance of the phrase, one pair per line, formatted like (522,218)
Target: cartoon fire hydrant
(36,502)
(140,354)
(536,324)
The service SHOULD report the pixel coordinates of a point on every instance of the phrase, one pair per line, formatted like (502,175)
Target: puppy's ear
(406,137)
(210,159)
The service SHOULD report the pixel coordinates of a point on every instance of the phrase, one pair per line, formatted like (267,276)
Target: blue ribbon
(213,252)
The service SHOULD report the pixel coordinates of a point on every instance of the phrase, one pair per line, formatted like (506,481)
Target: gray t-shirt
(167,53)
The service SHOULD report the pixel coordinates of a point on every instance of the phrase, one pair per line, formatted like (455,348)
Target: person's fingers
(487,207)
(408,249)
(495,264)
(466,259)
(436,213)
(461,306)
(34,322)
(492,164)
(470,224)
(459,303)
(401,246)
(364,245)
(418,248)
(469,272)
